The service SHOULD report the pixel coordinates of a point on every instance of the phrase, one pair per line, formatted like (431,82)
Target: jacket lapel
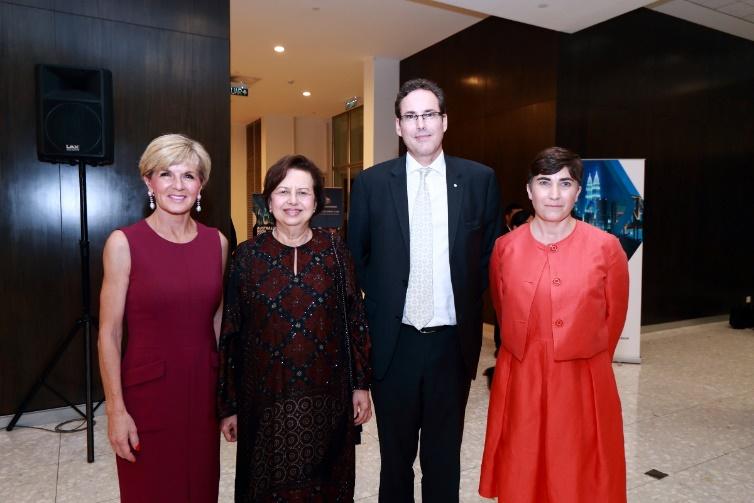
(400,196)
(454,177)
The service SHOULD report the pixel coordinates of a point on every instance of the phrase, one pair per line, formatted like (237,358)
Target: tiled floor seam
(690,467)
(685,409)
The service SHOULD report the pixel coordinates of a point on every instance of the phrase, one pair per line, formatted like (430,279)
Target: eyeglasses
(427,116)
(285,193)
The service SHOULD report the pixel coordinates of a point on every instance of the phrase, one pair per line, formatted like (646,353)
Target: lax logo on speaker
(71,148)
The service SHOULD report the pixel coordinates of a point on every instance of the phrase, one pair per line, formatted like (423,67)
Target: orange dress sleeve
(616,293)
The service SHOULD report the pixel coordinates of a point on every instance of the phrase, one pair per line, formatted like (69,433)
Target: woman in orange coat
(560,290)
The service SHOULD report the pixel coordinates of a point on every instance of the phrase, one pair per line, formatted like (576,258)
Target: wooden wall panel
(681,96)
(499,78)
(30,198)
(170,62)
(199,17)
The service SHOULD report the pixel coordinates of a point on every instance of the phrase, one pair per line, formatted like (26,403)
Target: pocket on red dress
(145,395)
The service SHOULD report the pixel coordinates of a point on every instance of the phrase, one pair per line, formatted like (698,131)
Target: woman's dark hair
(553,159)
(519,218)
(414,85)
(279,171)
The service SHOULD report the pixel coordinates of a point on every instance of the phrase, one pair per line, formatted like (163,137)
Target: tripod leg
(43,376)
(85,321)
(89,408)
(64,399)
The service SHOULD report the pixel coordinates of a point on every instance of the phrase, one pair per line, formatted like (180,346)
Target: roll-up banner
(612,198)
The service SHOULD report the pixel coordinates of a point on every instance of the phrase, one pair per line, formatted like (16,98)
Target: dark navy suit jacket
(378,236)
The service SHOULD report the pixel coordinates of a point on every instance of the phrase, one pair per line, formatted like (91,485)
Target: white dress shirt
(444,306)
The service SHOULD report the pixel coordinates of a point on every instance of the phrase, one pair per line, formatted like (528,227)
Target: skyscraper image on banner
(612,198)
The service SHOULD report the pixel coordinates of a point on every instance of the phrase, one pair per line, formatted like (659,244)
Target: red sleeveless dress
(169,368)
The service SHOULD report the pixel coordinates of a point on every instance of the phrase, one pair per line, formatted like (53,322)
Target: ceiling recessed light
(279,48)
(307,93)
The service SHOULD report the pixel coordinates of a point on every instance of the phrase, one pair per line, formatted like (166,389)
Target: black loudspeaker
(74,115)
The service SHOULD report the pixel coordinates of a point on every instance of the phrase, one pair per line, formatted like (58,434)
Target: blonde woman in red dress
(560,290)
(163,279)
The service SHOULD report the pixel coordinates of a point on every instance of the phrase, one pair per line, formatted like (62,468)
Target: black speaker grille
(74,128)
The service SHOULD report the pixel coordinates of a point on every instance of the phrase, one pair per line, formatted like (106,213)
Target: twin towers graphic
(593,195)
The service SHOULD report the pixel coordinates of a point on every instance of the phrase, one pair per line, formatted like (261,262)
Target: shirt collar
(413,165)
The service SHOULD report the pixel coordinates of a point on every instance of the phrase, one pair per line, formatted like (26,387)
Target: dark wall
(500,82)
(652,86)
(643,85)
(170,66)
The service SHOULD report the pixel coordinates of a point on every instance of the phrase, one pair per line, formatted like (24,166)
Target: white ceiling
(327,41)
(568,16)
(729,16)
(325,48)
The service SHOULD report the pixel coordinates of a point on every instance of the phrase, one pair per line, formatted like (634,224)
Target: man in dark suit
(421,230)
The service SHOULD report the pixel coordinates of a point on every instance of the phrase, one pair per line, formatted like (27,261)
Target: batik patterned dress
(285,371)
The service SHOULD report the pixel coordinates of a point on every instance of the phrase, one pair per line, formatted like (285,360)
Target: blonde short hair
(171,149)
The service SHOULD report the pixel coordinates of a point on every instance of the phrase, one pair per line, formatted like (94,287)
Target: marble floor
(688,412)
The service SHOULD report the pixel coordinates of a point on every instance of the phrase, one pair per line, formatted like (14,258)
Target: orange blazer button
(558,323)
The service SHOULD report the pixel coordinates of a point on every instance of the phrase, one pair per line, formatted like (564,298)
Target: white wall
(381,83)
(285,135)
(311,140)
(278,139)
(238,209)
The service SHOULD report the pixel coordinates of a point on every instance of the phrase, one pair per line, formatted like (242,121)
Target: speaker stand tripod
(83,323)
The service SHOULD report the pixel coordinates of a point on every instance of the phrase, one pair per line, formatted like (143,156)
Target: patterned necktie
(419,299)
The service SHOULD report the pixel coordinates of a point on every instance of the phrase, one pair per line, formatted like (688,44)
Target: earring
(150,195)
(199,203)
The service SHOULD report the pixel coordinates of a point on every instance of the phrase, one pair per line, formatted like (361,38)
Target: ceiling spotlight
(307,93)
(279,48)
